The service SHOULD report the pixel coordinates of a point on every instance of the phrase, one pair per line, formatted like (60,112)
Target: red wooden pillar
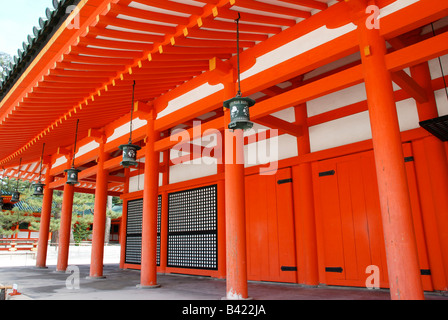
(221,230)
(148,277)
(221,208)
(123,224)
(305,226)
(45,217)
(164,214)
(164,233)
(236,271)
(433,150)
(65,227)
(401,250)
(99,216)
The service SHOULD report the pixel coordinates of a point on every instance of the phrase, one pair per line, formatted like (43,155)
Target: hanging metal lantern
(130,150)
(15,197)
(39,186)
(239,112)
(129,155)
(239,106)
(16,194)
(38,189)
(1,190)
(72,175)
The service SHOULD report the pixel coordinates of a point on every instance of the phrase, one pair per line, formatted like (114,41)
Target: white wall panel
(337,100)
(340,132)
(188,171)
(407,115)
(124,129)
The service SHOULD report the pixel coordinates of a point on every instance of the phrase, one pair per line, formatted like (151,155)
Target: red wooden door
(270,227)
(349,227)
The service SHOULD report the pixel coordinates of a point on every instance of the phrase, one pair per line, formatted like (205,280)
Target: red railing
(18,244)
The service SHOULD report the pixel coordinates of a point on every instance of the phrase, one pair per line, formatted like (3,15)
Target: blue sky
(17,19)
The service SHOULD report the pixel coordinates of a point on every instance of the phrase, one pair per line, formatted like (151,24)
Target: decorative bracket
(64,151)
(97,134)
(144,110)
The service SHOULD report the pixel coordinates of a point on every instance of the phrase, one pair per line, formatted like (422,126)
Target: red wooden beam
(408,84)
(276,123)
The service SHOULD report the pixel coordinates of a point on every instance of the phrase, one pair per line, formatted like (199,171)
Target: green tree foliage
(82,229)
(5,59)
(82,216)
(82,213)
(11,219)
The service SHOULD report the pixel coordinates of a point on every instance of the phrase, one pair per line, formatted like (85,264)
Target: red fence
(18,244)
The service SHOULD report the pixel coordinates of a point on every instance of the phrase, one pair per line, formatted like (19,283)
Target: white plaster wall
(296,47)
(136,183)
(270,150)
(340,132)
(332,66)
(335,133)
(337,100)
(395,6)
(356,127)
(262,152)
(87,148)
(436,72)
(407,115)
(197,168)
(442,102)
(124,129)
(60,161)
(286,115)
(190,97)
(188,170)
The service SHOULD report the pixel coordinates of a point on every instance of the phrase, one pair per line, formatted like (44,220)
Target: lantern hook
(238,52)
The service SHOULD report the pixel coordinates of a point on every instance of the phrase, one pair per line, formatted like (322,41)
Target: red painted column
(148,277)
(236,271)
(437,166)
(401,250)
(221,230)
(45,217)
(164,233)
(221,207)
(65,227)
(123,224)
(99,216)
(305,226)
(164,213)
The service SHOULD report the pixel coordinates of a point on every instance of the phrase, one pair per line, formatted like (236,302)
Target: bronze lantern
(239,112)
(239,106)
(39,186)
(129,154)
(16,194)
(15,197)
(1,190)
(72,175)
(38,189)
(129,150)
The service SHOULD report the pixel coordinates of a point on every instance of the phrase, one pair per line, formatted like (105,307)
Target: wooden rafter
(95,66)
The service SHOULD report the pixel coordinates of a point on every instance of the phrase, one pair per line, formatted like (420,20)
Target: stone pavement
(47,284)
(77,255)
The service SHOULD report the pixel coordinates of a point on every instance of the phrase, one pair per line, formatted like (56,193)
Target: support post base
(155,286)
